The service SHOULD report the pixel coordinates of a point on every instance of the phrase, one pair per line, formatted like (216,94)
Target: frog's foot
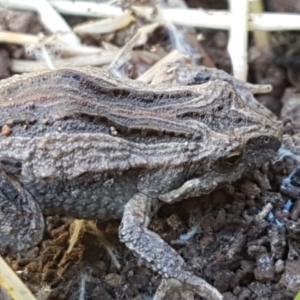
(158,254)
(21,219)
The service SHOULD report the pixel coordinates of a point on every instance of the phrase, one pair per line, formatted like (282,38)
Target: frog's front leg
(158,254)
(21,219)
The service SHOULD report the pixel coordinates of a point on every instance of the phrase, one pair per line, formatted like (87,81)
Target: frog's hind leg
(158,254)
(21,219)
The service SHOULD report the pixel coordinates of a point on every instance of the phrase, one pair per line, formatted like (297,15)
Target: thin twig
(12,284)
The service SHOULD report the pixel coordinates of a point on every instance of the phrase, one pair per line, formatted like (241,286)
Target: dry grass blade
(23,66)
(12,284)
(172,57)
(4,295)
(53,41)
(125,54)
(55,45)
(103,58)
(17,38)
(106,25)
(69,50)
(76,228)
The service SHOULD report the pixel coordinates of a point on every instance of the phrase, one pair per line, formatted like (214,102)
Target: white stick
(52,20)
(274,21)
(91,9)
(238,41)
(215,19)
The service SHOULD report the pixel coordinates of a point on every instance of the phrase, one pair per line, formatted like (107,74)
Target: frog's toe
(21,219)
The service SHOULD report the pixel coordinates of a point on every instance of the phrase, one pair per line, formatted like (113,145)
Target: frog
(83,143)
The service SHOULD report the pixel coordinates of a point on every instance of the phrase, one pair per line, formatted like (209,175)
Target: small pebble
(279,266)
(295,214)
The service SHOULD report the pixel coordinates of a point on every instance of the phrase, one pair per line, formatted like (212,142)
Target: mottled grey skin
(87,145)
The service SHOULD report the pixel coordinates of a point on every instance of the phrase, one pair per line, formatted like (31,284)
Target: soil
(235,243)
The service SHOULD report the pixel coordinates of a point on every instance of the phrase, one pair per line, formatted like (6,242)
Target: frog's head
(254,138)
(244,153)
(236,139)
(251,154)
(236,130)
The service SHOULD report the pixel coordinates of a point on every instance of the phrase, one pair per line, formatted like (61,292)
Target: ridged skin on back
(86,142)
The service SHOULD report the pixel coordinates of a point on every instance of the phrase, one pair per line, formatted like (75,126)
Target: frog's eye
(228,163)
(202,77)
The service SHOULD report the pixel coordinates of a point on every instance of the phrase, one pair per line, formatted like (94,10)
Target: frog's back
(82,142)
